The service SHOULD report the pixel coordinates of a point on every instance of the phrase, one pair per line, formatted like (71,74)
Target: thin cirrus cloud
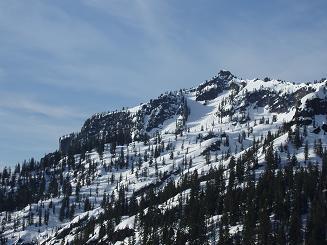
(30,127)
(30,105)
(68,51)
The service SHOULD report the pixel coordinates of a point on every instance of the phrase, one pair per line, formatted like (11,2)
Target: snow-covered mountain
(107,183)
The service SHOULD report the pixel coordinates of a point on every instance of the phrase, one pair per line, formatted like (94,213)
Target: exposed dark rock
(163,108)
(120,235)
(209,90)
(316,130)
(313,107)
(117,127)
(209,136)
(213,147)
(277,102)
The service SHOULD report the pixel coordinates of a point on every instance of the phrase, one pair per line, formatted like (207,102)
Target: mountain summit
(230,161)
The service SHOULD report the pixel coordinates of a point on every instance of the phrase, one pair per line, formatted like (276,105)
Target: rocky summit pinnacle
(230,161)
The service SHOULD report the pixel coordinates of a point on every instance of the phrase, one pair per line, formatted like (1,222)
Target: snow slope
(206,124)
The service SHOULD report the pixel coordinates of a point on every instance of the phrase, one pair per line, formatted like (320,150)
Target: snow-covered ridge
(154,145)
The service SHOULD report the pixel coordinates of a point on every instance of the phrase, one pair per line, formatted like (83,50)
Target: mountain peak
(126,168)
(225,74)
(211,88)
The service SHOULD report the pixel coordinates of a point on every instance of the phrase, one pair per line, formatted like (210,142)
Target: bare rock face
(209,90)
(127,166)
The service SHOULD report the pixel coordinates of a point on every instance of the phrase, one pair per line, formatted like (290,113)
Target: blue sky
(61,61)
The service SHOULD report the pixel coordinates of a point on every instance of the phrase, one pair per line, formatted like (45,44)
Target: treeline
(284,205)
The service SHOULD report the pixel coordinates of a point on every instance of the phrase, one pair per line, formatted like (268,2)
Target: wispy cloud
(23,136)
(71,51)
(106,46)
(2,74)
(30,105)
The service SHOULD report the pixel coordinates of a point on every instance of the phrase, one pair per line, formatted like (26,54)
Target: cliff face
(201,161)
(122,127)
